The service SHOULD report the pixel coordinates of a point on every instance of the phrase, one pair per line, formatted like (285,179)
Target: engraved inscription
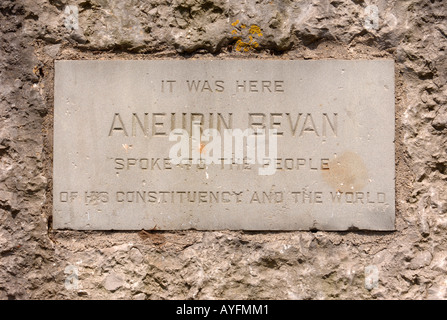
(211,145)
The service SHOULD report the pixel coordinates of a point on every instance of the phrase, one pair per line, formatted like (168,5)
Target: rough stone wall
(37,262)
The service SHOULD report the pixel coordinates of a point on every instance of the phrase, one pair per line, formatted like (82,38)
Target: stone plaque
(235,144)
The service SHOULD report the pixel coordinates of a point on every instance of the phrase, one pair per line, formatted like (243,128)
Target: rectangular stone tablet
(226,144)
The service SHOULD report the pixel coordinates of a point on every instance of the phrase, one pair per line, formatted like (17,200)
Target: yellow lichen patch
(254,29)
(243,44)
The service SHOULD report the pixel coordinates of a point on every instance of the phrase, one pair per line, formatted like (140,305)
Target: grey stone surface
(226,264)
(335,146)
(113,282)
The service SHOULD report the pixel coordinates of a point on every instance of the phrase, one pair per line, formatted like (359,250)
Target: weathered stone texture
(411,262)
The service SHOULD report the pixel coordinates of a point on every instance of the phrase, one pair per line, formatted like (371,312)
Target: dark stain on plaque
(347,172)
